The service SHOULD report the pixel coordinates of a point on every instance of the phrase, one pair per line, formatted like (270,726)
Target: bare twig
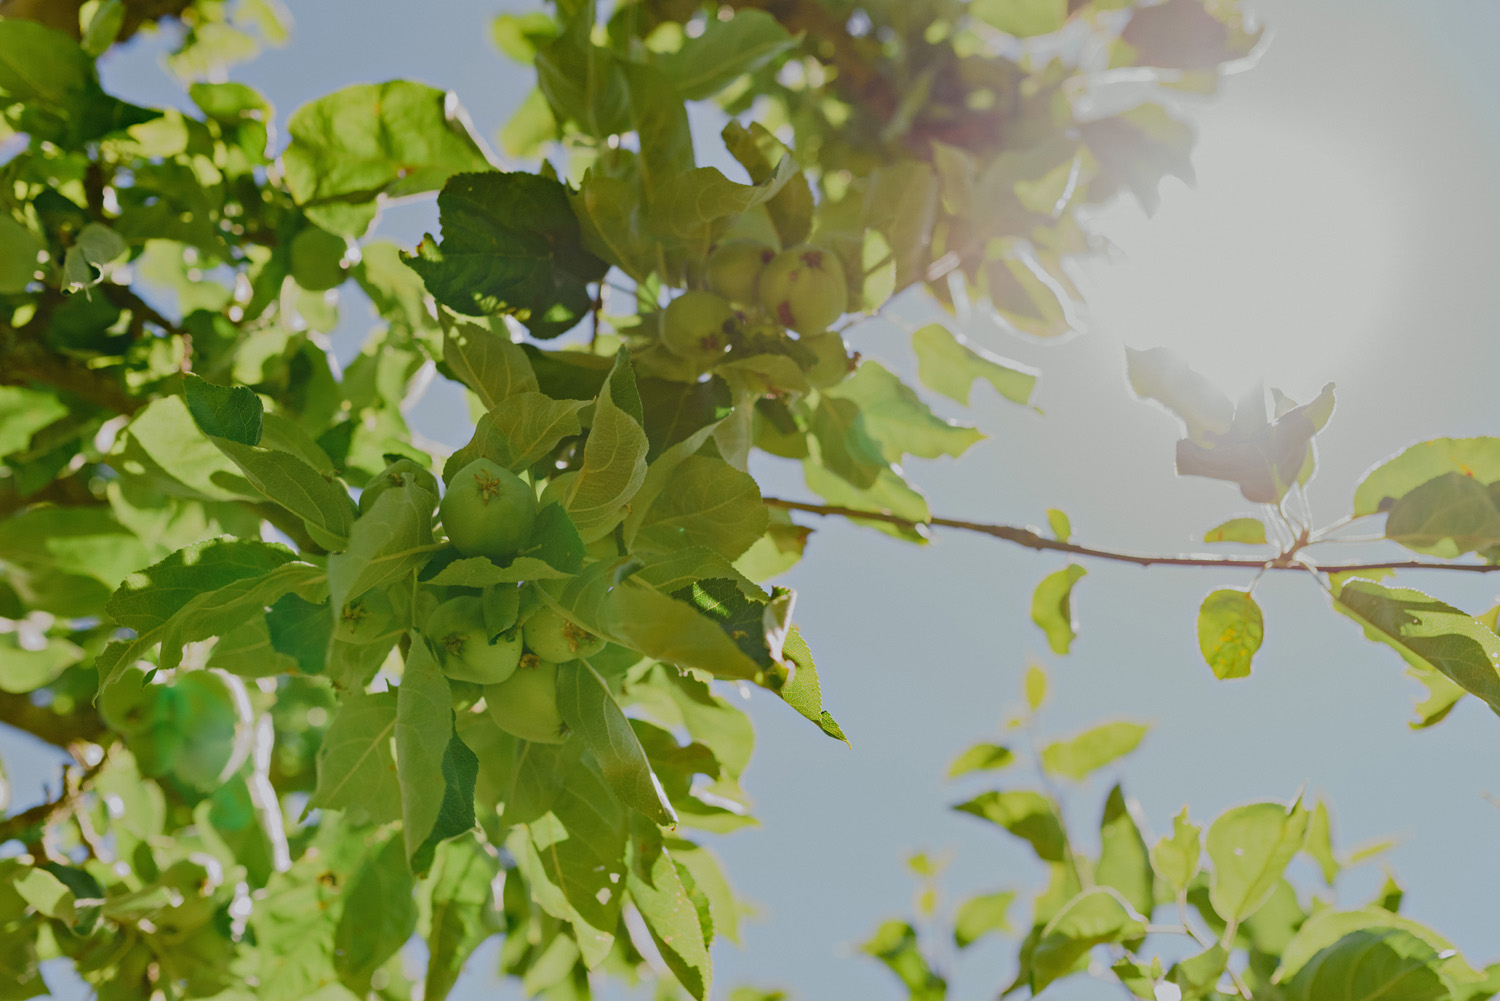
(1294,560)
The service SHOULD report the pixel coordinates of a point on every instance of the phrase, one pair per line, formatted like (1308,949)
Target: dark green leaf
(233,413)
(1428,634)
(378,916)
(356,767)
(1026,814)
(1447,516)
(657,890)
(511,244)
(590,710)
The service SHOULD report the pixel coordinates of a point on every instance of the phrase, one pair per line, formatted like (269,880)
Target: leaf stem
(1031,540)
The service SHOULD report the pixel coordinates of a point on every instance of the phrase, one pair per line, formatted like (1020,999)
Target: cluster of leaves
(1218,905)
(1438,498)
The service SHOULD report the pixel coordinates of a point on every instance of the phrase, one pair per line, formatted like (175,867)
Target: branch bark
(18,711)
(1031,540)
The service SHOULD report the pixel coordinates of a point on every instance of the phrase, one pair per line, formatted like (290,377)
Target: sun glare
(1276,267)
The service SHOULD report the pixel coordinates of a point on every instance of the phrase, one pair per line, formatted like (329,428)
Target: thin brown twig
(1031,540)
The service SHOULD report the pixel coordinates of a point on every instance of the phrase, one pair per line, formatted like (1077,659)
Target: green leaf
(697,199)
(1447,516)
(1094,917)
(356,766)
(1428,634)
(1230,630)
(981,915)
(395,138)
(573,854)
(673,631)
(898,419)
(1387,483)
(1052,607)
(707,502)
(1091,750)
(19,248)
(24,412)
(492,366)
(1442,695)
(233,413)
(1062,528)
(390,541)
(458,911)
(803,692)
(518,432)
(212,613)
(590,710)
(45,892)
(378,916)
(1026,814)
(1370,964)
(614,457)
(302,630)
(1326,929)
(846,446)
(1034,685)
(981,757)
(441,790)
(895,945)
(1319,844)
(949,364)
(657,890)
(705,65)
(511,244)
(38,64)
(1175,858)
(1124,861)
(1250,846)
(1251,531)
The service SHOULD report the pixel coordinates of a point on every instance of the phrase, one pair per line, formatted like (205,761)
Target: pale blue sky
(921,650)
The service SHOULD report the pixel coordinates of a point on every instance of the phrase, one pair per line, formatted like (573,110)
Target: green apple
(734,268)
(831,362)
(696,326)
(553,637)
(317,259)
(456,628)
(488,511)
(367,619)
(215,718)
(526,704)
(129,705)
(803,287)
(397,474)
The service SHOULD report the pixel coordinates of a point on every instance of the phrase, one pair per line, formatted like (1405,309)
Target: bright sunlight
(1277,266)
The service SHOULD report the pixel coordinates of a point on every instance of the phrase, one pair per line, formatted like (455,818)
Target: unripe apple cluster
(753,287)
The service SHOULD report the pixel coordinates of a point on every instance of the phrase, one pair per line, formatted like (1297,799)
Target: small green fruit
(397,474)
(552,637)
(831,360)
(488,511)
(367,619)
(129,705)
(456,628)
(803,287)
(317,259)
(214,715)
(734,269)
(526,704)
(696,326)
